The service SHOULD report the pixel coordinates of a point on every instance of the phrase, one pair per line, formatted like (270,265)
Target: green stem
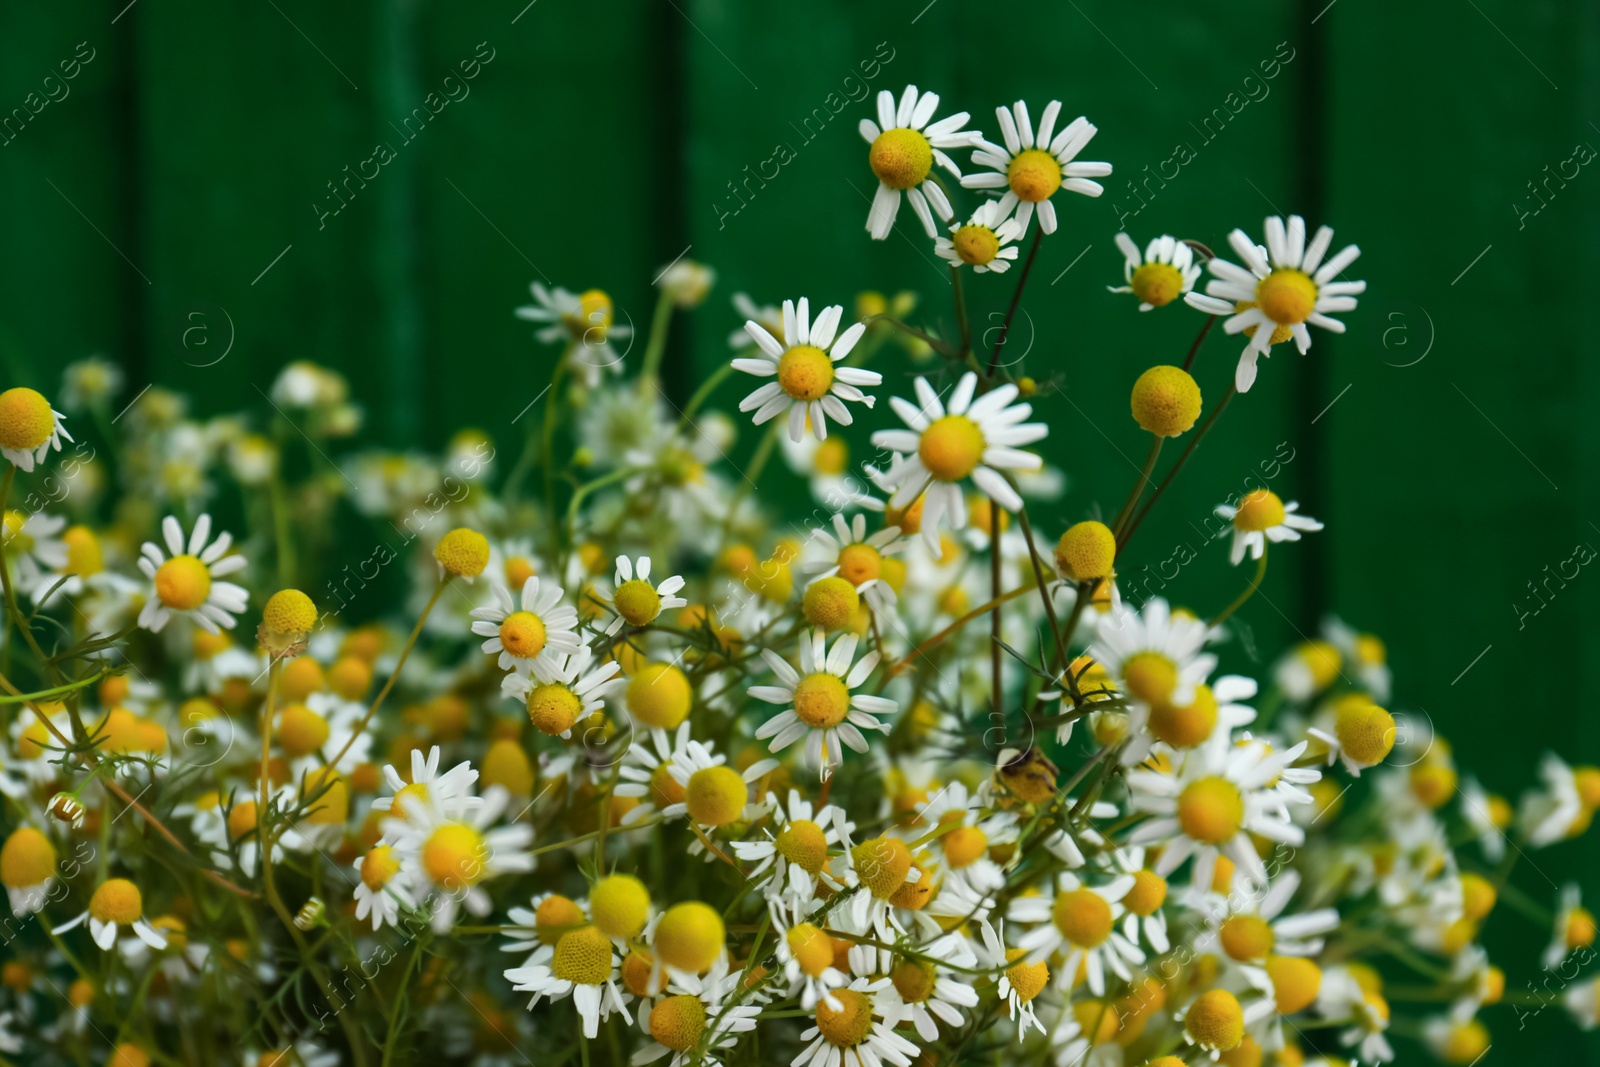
(1249,591)
(656,347)
(1194,442)
(959,295)
(1138,486)
(707,387)
(1016,298)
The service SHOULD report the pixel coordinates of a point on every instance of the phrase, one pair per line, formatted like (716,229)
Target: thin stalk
(1249,591)
(1138,486)
(1194,442)
(1016,298)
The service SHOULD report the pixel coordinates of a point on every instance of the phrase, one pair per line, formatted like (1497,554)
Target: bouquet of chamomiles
(631,768)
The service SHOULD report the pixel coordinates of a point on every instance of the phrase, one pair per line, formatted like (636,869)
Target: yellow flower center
(378,866)
(1366,732)
(117,900)
(1083,917)
(183,583)
(1295,982)
(1211,810)
(621,905)
(301,731)
(1287,297)
(518,569)
(716,796)
(26,421)
(850,1025)
(859,562)
(1259,510)
(1027,979)
(1157,284)
(914,981)
(555,916)
(805,372)
(1215,1021)
(882,865)
(664,789)
(1246,937)
(1149,892)
(964,846)
(417,791)
(84,557)
(27,859)
(289,611)
(1086,552)
(811,948)
(462,552)
(1150,676)
(637,602)
(241,819)
(678,1022)
(593,317)
(1433,784)
(1478,896)
(1580,928)
(553,708)
(523,634)
(830,602)
(831,456)
(951,448)
(583,956)
(1097,1019)
(1466,1043)
(1034,175)
(1185,727)
(1165,401)
(659,695)
(901,158)
(636,968)
(690,937)
(454,854)
(821,700)
(976,245)
(15,539)
(803,843)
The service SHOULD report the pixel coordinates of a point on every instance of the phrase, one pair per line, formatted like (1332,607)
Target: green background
(1454,463)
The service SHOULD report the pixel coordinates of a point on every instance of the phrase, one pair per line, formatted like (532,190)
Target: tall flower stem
(1249,591)
(1016,298)
(1194,442)
(1138,486)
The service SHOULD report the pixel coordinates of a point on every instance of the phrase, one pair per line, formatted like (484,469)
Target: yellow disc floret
(454,855)
(1246,937)
(1259,510)
(1215,1021)
(1034,175)
(1477,896)
(84,556)
(805,372)
(637,602)
(811,948)
(659,695)
(1149,892)
(821,700)
(715,795)
(1150,676)
(803,843)
(1365,731)
(964,846)
(1287,297)
(859,562)
(523,634)
(1465,1042)
(1295,982)
(678,1021)
(462,552)
(1086,552)
(901,158)
(951,448)
(301,731)
(117,900)
(183,583)
(289,611)
(976,245)
(1027,979)
(850,1025)
(27,859)
(620,904)
(378,866)
(690,937)
(583,956)
(1166,401)
(882,864)
(1188,726)
(1083,917)
(830,602)
(1211,810)
(553,708)
(1157,284)
(26,421)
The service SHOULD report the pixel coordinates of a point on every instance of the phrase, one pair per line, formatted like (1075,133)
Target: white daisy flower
(1031,169)
(583,967)
(33,549)
(560,691)
(769,316)
(849,553)
(1249,927)
(1145,919)
(795,859)
(449,793)
(637,602)
(29,866)
(932,990)
(905,147)
(446,856)
(1080,923)
(1479,810)
(116,902)
(1158,659)
(381,890)
(861,1030)
(822,705)
(964,849)
(942,447)
(810,384)
(584,321)
(678,1022)
(1020,983)
(1165,271)
(1341,999)
(1574,927)
(714,794)
(1549,814)
(540,625)
(186,581)
(1260,517)
(30,427)
(806,955)
(643,775)
(1282,288)
(1210,805)
(985,242)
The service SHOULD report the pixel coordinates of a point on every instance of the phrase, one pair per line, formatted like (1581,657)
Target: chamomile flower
(985,242)
(1210,805)
(558,691)
(1359,735)
(1281,289)
(809,383)
(969,835)
(28,869)
(1021,982)
(931,989)
(1487,816)
(823,707)
(1549,813)
(29,427)
(1216,1022)
(1342,999)
(942,447)
(857,558)
(185,582)
(1032,169)
(381,890)
(539,625)
(449,855)
(449,792)
(905,146)
(585,321)
(1252,928)
(1143,901)
(116,902)
(1156,656)
(583,967)
(644,776)
(1260,517)
(636,601)
(678,1022)
(807,954)
(862,1029)
(1165,271)
(33,548)
(1079,923)
(794,860)
(714,794)
(768,316)
(1574,928)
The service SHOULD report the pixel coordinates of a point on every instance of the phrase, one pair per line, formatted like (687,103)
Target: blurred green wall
(188,169)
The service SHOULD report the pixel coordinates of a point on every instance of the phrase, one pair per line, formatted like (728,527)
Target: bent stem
(1249,591)
(1194,442)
